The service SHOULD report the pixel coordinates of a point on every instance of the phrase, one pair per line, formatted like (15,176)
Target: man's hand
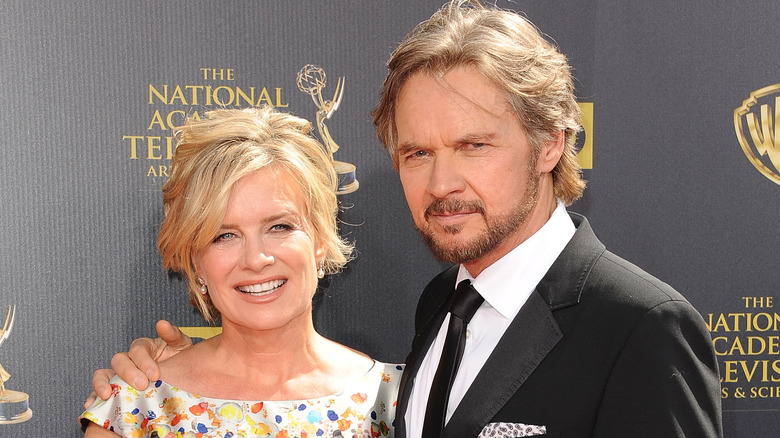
(139,366)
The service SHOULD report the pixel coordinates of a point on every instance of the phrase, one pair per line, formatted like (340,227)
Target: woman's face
(261,267)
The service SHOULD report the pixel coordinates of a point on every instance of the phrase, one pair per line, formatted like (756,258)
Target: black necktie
(464,305)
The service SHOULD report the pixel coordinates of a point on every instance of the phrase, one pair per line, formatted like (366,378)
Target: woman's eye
(224,236)
(281,227)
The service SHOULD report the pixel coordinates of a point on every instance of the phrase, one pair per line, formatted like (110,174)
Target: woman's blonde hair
(212,154)
(510,52)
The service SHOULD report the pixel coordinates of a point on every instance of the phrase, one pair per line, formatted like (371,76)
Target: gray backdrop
(670,189)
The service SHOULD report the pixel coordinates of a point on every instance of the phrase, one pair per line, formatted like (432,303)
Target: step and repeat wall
(681,148)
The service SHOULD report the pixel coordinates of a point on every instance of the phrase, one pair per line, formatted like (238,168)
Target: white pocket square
(511,430)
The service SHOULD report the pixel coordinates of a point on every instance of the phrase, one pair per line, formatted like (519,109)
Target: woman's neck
(287,363)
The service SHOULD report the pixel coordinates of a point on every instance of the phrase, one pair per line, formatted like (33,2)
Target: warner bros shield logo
(757,123)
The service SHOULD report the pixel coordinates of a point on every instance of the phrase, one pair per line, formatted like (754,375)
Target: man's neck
(536,220)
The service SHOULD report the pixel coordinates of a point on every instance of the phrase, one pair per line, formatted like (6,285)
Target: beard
(497,227)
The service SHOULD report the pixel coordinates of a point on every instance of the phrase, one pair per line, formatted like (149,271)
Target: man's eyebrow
(468,138)
(406,147)
(476,138)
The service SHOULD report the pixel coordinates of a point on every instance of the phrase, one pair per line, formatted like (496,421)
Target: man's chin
(453,249)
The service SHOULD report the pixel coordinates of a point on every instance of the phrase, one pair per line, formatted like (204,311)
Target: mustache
(450,206)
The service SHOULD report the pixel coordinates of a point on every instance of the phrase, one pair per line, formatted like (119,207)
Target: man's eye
(417,154)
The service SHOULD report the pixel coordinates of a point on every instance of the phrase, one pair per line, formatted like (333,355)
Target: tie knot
(466,301)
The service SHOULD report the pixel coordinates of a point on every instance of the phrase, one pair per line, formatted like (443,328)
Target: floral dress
(366,408)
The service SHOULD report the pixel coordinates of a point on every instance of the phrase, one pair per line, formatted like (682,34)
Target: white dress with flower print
(366,408)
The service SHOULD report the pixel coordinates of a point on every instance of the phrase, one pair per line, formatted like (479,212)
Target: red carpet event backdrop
(681,148)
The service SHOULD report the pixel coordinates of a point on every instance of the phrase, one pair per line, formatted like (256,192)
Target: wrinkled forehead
(462,97)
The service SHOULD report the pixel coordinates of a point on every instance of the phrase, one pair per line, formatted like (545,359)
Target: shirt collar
(507,283)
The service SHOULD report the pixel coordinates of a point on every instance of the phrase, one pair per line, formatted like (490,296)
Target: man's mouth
(452,209)
(258,290)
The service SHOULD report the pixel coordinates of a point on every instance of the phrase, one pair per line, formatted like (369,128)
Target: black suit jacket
(600,349)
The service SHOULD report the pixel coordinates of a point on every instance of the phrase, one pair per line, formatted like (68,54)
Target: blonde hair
(510,52)
(212,154)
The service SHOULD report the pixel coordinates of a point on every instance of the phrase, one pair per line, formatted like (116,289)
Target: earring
(202,286)
(321,271)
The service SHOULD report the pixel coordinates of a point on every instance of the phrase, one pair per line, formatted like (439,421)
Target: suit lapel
(439,291)
(530,337)
(527,341)
(422,342)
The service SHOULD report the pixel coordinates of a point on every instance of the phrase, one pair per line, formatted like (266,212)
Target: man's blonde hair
(510,52)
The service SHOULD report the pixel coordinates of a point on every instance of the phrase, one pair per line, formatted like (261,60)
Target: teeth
(262,288)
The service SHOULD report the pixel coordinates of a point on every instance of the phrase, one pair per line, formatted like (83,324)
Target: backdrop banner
(681,148)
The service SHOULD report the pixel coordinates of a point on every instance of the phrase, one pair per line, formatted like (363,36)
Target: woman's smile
(262,289)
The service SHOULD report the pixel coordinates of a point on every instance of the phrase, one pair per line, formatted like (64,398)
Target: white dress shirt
(506,286)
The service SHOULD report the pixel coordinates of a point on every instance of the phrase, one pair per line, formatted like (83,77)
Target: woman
(250,221)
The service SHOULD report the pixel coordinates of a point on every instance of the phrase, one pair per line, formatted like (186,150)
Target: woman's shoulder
(124,392)
(380,382)
(127,407)
(391,371)
(188,365)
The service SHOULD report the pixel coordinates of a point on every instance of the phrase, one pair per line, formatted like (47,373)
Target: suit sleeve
(665,382)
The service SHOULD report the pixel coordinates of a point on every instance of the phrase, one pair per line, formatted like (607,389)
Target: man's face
(469,175)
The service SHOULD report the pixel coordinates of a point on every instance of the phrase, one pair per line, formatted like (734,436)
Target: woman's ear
(319,255)
(196,265)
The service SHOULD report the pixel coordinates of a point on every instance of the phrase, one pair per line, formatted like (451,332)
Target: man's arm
(139,365)
(95,431)
(666,381)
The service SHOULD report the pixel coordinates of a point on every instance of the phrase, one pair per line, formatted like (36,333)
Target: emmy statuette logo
(13,404)
(758,130)
(311,80)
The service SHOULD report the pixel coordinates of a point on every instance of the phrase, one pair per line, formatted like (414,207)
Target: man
(479,116)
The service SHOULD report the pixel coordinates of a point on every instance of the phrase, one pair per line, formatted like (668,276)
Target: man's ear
(551,153)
